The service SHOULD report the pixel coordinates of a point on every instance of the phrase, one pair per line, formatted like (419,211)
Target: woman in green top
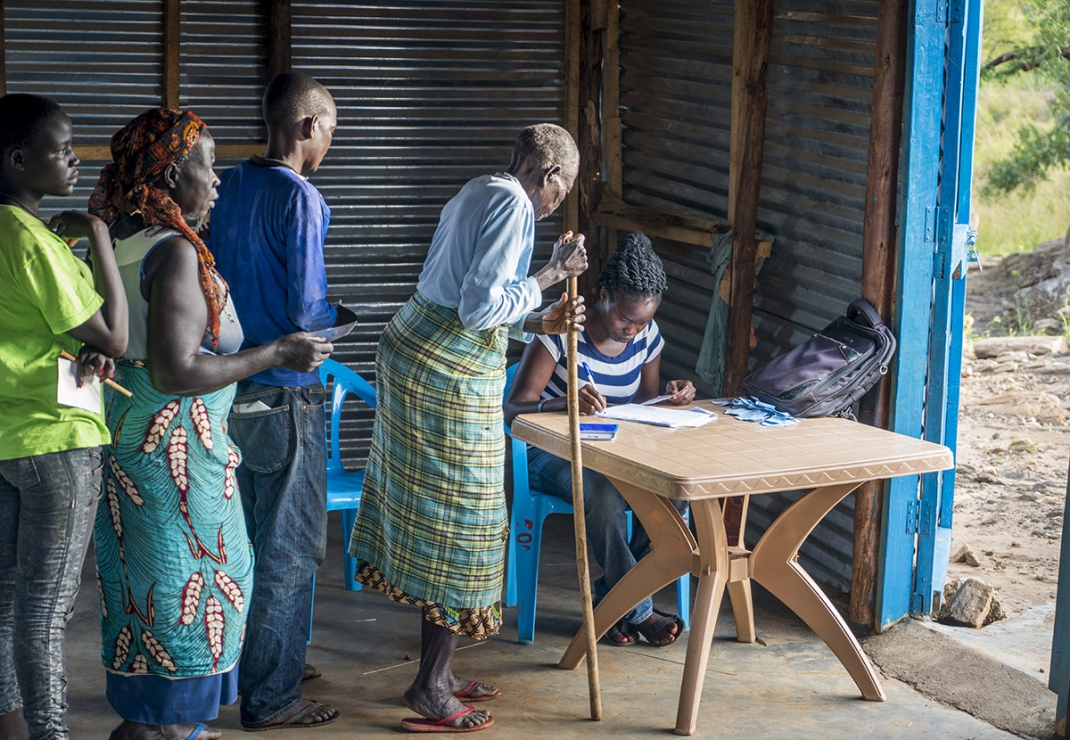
(50,456)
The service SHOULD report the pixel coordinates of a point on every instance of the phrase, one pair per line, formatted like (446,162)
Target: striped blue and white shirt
(617,377)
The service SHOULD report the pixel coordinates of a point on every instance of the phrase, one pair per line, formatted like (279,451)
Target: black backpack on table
(828,373)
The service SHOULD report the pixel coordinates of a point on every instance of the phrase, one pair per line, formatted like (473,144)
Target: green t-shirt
(45,291)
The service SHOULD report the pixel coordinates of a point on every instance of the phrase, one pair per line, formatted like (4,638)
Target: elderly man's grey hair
(546,144)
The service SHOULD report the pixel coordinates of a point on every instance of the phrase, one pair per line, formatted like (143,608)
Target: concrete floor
(788,685)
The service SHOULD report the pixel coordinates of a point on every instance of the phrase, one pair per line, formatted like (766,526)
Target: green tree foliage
(1031,37)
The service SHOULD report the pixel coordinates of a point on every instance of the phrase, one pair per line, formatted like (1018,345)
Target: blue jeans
(283,484)
(47,505)
(606,521)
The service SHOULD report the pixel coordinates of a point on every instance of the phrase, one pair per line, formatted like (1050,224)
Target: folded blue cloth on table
(749,408)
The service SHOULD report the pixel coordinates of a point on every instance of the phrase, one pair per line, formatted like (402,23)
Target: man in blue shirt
(267,234)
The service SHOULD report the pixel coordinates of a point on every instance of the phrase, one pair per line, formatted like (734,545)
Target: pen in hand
(106,381)
(590,375)
(598,402)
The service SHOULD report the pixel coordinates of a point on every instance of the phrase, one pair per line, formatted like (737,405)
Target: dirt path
(1013,448)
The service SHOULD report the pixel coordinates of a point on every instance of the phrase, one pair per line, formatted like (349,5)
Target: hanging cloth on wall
(711,357)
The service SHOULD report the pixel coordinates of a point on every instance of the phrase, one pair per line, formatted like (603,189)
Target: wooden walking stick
(578,518)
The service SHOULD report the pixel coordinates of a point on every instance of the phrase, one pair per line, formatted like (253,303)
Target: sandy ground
(1013,454)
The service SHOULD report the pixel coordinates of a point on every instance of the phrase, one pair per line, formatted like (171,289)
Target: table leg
(672,554)
(713,575)
(774,565)
(739,594)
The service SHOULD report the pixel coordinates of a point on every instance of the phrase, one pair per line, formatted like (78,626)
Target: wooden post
(879,238)
(742,51)
(172,53)
(745,215)
(589,180)
(612,138)
(279,42)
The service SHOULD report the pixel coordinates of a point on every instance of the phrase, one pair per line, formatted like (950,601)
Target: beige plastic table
(829,458)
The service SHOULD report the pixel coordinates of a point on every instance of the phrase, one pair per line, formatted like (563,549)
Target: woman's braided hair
(634,270)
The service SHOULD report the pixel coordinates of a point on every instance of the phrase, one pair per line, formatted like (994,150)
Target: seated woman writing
(621,346)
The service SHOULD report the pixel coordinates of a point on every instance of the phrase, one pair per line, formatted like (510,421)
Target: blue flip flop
(201,727)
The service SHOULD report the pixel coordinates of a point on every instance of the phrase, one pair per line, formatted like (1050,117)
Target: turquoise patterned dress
(174,561)
(173,557)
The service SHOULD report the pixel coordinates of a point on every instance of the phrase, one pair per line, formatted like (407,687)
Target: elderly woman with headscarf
(173,557)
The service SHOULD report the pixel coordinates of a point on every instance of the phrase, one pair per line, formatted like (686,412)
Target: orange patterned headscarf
(131,186)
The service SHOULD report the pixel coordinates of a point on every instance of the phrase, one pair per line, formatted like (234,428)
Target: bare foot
(438,705)
(137,731)
(468,691)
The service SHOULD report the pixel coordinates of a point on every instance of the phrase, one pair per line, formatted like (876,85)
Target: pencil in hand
(107,381)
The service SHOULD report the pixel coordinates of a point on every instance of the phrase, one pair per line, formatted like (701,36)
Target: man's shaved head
(293,96)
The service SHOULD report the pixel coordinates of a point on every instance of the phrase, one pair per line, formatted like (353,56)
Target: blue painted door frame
(943,49)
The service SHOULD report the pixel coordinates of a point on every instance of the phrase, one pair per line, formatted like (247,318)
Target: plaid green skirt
(432,523)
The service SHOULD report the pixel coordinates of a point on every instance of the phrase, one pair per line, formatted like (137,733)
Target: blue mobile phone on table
(605,432)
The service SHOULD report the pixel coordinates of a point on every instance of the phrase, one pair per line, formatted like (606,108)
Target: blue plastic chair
(344,487)
(530,509)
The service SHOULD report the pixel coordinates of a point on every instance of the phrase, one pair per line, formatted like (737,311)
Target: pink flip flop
(463,694)
(419,724)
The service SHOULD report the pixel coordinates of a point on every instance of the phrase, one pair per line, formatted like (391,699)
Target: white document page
(672,418)
(69,394)
(657,400)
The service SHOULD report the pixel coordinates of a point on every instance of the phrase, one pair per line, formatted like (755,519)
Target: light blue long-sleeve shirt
(480,254)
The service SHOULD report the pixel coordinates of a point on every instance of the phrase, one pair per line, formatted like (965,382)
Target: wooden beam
(879,239)
(279,41)
(223,150)
(745,215)
(172,53)
(3,52)
(613,213)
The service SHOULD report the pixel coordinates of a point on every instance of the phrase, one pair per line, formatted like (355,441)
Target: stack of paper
(661,417)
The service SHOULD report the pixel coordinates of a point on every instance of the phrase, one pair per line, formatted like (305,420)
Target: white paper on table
(672,418)
(657,399)
(69,394)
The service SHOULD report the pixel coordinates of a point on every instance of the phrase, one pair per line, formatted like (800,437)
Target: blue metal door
(943,50)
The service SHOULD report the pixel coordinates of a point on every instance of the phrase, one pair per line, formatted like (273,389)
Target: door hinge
(942,11)
(920,518)
(917,602)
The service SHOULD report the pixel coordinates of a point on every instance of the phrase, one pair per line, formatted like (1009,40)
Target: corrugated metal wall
(676,98)
(223,66)
(101,60)
(676,72)
(106,67)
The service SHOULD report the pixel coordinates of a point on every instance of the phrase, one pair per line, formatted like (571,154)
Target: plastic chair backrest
(345,382)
